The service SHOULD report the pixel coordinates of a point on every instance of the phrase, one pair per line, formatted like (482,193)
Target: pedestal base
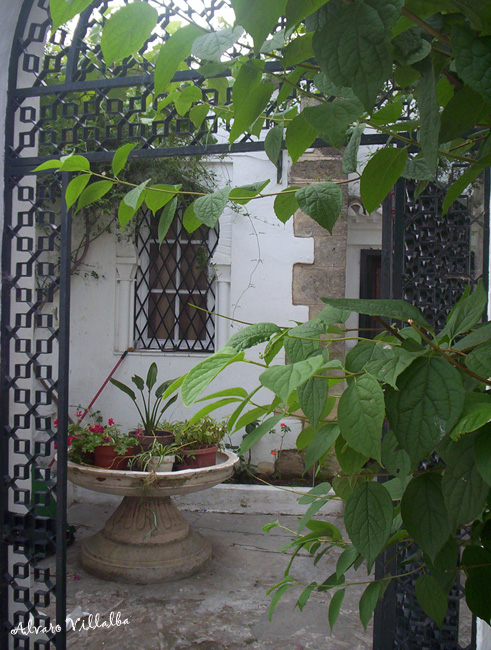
(146,540)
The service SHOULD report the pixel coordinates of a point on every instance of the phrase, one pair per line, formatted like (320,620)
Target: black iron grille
(175,288)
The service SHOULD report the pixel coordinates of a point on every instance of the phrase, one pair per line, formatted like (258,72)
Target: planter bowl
(161,465)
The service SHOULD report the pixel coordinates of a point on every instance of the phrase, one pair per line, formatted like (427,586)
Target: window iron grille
(175,288)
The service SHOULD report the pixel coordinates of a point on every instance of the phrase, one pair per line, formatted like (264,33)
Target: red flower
(96,428)
(69,440)
(107,439)
(273,452)
(79,414)
(110,422)
(55,422)
(282,425)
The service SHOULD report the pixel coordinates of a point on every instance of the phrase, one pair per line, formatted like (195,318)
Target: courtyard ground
(225,607)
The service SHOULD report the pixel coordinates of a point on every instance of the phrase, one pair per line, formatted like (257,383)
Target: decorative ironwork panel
(428,260)
(30,272)
(175,290)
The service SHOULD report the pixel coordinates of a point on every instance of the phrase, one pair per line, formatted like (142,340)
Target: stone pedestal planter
(146,539)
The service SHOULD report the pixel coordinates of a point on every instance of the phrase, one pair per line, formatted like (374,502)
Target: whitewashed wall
(258,292)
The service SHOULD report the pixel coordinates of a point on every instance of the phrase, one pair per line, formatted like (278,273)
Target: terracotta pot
(163,437)
(106,456)
(196,458)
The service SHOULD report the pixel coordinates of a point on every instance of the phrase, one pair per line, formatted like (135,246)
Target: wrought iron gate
(428,260)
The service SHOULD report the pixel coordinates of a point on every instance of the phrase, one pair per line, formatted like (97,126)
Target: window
(172,280)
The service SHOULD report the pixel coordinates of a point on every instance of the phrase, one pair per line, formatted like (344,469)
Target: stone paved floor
(223,608)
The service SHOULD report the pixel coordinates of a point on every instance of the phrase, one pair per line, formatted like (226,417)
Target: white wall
(259,292)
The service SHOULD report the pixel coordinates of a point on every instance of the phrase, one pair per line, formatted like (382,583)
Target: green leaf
(467,312)
(134,198)
(209,408)
(417,169)
(351,461)
(368,518)
(159,195)
(368,602)
(476,412)
(332,119)
(360,355)
(477,11)
(464,490)
(464,110)
(273,142)
(186,98)
(410,47)
(304,341)
(335,607)
(426,406)
(49,164)
(350,155)
(127,30)
(172,53)
(481,334)
(361,414)
(250,110)
(388,362)
(305,595)
(248,79)
(75,187)
(322,202)
(259,18)
(209,208)
(353,47)
(429,113)
(125,389)
(432,598)
(252,335)
(166,219)
(212,45)
(479,360)
(198,114)
(473,59)
(297,10)
(346,560)
(201,376)
(276,598)
(121,156)
(477,564)
(276,42)
(394,309)
(244,193)
(424,513)
(312,397)
(286,204)
(190,220)
(62,11)
(93,192)
(74,163)
(323,441)
(395,459)
(468,177)
(272,524)
(482,452)
(380,175)
(259,432)
(299,137)
(282,380)
(151,376)
(298,50)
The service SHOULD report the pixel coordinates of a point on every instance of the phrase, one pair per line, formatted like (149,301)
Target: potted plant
(200,441)
(158,458)
(149,406)
(110,448)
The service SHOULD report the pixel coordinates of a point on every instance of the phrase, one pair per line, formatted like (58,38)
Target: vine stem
(424,25)
(446,356)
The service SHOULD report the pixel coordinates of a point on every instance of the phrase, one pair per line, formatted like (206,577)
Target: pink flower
(110,422)
(55,422)
(76,576)
(79,414)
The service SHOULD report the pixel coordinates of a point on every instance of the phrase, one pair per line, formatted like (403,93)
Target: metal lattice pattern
(174,278)
(432,259)
(30,343)
(442,255)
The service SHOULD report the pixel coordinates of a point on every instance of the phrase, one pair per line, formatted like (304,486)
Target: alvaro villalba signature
(89,622)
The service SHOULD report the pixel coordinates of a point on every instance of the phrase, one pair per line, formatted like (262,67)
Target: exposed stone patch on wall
(326,276)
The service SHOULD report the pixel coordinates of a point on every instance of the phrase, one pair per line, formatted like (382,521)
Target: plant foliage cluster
(418,73)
